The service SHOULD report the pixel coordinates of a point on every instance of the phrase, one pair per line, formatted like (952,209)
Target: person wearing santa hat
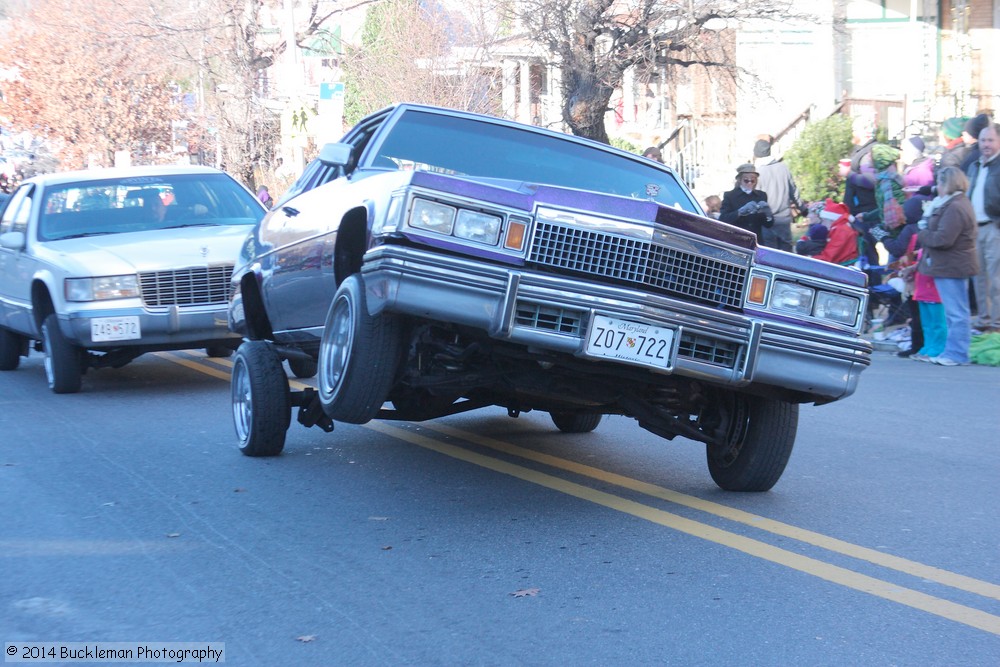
(842,241)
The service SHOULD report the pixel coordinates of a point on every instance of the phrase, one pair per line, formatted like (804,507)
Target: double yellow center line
(970,616)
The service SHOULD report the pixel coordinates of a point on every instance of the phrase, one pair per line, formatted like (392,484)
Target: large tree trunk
(586,99)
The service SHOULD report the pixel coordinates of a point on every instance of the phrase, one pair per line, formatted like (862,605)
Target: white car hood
(164,249)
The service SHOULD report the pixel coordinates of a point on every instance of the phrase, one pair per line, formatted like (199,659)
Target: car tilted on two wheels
(435,261)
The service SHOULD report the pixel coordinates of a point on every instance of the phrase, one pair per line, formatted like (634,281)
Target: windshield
(138,204)
(471,147)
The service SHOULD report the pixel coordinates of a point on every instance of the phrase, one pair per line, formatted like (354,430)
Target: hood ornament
(204,251)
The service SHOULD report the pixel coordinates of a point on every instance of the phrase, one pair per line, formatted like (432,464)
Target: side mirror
(12,240)
(335,155)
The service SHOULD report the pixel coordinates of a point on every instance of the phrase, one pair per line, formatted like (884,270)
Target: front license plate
(633,342)
(114,328)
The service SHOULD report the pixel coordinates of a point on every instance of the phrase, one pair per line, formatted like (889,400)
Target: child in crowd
(932,320)
(813,242)
(713,204)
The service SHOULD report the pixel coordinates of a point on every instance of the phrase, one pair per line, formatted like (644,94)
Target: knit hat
(883,155)
(818,231)
(762,148)
(746,168)
(915,142)
(834,211)
(976,124)
(913,208)
(952,128)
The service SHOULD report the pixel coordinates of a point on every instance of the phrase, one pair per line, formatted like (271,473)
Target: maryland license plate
(103,329)
(634,342)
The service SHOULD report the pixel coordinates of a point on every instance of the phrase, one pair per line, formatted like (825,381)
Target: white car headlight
(104,287)
(837,307)
(432,216)
(478,227)
(793,298)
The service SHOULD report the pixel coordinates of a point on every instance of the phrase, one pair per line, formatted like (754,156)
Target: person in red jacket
(842,241)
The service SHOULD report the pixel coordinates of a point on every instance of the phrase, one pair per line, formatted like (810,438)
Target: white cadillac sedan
(98,267)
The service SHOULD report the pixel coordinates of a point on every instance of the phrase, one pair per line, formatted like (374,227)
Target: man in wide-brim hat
(745,206)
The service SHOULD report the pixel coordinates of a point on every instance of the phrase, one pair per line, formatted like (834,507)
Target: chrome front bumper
(554,313)
(167,326)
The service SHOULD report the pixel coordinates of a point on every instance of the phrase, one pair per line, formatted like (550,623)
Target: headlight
(432,216)
(105,287)
(478,227)
(837,307)
(793,298)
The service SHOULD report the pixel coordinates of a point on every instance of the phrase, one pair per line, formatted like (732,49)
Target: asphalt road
(128,515)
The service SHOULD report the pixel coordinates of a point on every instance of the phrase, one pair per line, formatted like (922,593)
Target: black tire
(63,360)
(218,351)
(302,368)
(358,356)
(761,443)
(576,421)
(11,345)
(262,407)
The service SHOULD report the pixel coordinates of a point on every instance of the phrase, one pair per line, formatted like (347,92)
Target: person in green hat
(954,147)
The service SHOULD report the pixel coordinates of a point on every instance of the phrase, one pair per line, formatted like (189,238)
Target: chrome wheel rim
(335,347)
(242,401)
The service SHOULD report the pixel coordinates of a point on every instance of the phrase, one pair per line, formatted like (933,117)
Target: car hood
(165,249)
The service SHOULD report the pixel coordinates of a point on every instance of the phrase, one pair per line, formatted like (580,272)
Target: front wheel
(262,408)
(760,442)
(358,356)
(63,360)
(11,346)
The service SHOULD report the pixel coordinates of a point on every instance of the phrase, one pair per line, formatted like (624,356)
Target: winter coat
(842,244)
(954,154)
(991,198)
(949,241)
(919,173)
(733,200)
(775,180)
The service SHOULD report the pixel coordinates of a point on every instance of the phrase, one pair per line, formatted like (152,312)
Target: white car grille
(202,286)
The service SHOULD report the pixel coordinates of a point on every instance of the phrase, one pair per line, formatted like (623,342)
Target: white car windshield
(138,204)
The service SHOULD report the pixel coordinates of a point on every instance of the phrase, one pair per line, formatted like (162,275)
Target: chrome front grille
(708,350)
(202,286)
(693,270)
(548,318)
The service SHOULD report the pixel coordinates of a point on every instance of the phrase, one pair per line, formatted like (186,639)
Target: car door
(17,266)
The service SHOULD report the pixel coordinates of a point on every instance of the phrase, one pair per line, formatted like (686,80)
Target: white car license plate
(633,342)
(114,328)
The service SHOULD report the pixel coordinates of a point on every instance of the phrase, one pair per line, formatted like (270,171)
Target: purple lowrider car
(437,261)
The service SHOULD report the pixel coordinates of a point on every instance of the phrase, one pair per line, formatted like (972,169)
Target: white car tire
(63,360)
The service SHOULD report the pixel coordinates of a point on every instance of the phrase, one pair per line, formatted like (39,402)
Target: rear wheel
(576,421)
(302,368)
(261,404)
(358,356)
(63,360)
(219,351)
(761,437)
(11,346)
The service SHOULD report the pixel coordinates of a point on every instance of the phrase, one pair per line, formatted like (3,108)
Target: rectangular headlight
(101,288)
(478,227)
(432,216)
(793,298)
(837,307)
